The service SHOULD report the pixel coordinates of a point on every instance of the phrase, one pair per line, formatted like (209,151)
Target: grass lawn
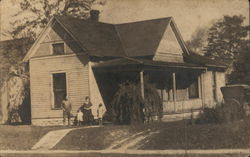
(97,138)
(207,136)
(21,137)
(172,135)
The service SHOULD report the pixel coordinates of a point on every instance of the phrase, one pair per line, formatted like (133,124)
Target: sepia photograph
(124,78)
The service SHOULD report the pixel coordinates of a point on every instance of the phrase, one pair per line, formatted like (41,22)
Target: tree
(36,14)
(241,73)
(226,37)
(198,40)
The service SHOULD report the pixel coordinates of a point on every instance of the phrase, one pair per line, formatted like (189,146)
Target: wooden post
(142,84)
(202,90)
(174,90)
(215,85)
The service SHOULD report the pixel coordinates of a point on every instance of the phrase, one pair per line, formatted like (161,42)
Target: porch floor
(179,116)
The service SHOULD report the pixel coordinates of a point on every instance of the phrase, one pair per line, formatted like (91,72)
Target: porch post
(142,84)
(202,90)
(174,90)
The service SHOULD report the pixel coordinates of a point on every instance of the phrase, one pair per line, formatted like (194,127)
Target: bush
(129,107)
(222,113)
(230,111)
(209,115)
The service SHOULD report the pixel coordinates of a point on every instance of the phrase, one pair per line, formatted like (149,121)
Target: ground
(22,137)
(171,135)
(156,136)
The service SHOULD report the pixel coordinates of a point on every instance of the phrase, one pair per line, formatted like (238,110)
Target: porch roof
(143,64)
(204,61)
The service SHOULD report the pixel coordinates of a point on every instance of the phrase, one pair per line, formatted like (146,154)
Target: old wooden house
(84,58)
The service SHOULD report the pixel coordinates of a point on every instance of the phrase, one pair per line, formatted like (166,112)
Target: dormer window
(58,48)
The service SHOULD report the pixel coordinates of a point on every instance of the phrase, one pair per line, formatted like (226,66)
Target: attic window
(58,48)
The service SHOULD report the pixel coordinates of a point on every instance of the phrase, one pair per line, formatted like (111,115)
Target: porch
(180,85)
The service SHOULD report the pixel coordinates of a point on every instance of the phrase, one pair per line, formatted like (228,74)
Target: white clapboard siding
(41,69)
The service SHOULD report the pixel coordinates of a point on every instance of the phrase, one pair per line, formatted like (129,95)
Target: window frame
(52,88)
(58,42)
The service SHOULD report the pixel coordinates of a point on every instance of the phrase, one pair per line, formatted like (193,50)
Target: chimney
(94,15)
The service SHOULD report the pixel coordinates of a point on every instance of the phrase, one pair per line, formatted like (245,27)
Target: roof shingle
(129,39)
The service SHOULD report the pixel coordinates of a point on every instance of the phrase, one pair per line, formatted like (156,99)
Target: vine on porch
(130,108)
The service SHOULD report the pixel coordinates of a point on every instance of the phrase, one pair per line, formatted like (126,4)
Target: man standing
(66,106)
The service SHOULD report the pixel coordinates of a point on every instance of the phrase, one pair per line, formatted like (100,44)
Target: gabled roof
(129,39)
(98,39)
(117,40)
(135,39)
(142,38)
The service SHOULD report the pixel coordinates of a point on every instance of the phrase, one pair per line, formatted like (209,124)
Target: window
(193,90)
(58,48)
(181,87)
(59,89)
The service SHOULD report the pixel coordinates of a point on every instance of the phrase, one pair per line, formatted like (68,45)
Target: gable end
(171,47)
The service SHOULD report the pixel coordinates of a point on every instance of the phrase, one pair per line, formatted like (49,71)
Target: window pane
(181,94)
(194,90)
(59,88)
(58,98)
(59,81)
(181,86)
(58,48)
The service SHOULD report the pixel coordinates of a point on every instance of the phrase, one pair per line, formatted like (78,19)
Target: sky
(189,15)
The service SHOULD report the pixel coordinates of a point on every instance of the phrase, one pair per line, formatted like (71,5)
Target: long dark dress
(87,113)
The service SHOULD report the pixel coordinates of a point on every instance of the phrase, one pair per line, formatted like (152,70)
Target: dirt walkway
(49,140)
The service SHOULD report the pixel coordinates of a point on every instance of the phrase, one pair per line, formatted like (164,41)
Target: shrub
(209,115)
(222,113)
(230,111)
(129,107)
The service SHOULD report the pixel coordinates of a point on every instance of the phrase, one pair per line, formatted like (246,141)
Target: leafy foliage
(129,107)
(36,14)
(12,52)
(226,37)
(227,40)
(222,113)
(18,93)
(198,40)
(241,73)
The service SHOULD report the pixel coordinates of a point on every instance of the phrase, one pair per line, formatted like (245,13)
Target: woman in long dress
(87,113)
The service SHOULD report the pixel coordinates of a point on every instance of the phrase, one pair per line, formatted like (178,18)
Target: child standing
(79,118)
(100,112)
(66,107)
